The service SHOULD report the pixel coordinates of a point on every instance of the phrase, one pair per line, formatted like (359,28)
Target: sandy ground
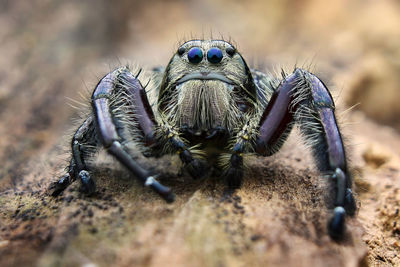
(53,50)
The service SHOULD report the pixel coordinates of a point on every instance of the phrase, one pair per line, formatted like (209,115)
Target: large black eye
(214,55)
(195,55)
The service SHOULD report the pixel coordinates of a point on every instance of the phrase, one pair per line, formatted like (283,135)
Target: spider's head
(206,84)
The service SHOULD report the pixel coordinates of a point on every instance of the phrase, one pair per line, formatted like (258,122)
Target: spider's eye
(181,51)
(195,55)
(230,51)
(214,55)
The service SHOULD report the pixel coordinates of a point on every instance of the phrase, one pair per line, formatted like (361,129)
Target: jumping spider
(208,104)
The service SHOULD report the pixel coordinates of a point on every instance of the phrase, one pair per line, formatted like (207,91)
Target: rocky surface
(54,50)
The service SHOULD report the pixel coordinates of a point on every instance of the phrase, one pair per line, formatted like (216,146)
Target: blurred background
(52,50)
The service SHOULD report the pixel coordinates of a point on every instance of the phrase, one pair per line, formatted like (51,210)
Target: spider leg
(107,127)
(111,136)
(304,99)
(244,140)
(83,145)
(234,172)
(165,133)
(243,143)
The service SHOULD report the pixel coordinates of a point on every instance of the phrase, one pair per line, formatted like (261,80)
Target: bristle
(224,161)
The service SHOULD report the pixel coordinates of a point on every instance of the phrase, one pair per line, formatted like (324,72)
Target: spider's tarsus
(58,187)
(168,197)
(88,184)
(337,226)
(165,192)
(234,177)
(234,174)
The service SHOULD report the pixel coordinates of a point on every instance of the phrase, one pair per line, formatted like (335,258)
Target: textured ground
(57,49)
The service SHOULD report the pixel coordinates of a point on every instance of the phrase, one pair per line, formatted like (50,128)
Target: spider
(209,107)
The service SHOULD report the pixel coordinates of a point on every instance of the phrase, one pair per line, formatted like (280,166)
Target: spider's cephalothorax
(207,104)
(206,86)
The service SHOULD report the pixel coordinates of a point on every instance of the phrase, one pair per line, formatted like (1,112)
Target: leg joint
(321,96)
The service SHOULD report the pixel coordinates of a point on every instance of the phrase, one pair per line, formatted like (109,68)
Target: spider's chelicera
(210,108)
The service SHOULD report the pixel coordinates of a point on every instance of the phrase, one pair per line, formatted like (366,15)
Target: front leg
(121,110)
(110,125)
(242,143)
(304,99)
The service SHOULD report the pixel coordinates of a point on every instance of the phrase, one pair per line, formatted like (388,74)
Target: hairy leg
(119,105)
(302,98)
(112,137)
(244,141)
(232,163)
(83,145)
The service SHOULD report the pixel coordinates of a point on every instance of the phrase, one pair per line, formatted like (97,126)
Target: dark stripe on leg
(277,116)
(144,113)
